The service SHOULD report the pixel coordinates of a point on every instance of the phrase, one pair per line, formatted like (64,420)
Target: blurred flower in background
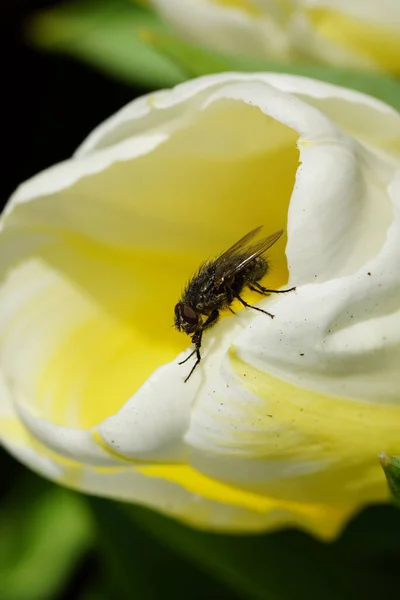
(363,34)
(162,43)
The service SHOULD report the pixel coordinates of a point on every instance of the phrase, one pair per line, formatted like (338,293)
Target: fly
(219,282)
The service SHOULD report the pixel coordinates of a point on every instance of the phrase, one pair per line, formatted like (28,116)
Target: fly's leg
(187,358)
(256,287)
(197,337)
(197,341)
(247,305)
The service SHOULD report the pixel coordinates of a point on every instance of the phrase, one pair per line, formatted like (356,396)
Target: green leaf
(391,468)
(134,565)
(108,35)
(290,565)
(256,566)
(197,61)
(44,531)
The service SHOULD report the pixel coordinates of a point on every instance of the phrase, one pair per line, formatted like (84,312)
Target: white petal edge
(126,123)
(64,175)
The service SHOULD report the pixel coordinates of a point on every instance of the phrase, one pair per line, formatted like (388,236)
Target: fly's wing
(234,260)
(240,244)
(226,257)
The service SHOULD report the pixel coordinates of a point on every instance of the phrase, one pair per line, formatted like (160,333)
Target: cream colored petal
(152,423)
(359,34)
(176,490)
(180,492)
(117,430)
(365,117)
(227,111)
(66,360)
(305,403)
(245,29)
(363,34)
(337,225)
(65,175)
(83,319)
(385,12)
(15,438)
(327,212)
(352,323)
(312,45)
(91,272)
(70,443)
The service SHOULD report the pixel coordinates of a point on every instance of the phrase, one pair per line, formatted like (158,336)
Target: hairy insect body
(218,283)
(204,294)
(201,292)
(255,271)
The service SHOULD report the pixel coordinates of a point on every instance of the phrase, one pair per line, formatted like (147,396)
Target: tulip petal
(369,120)
(296,396)
(74,366)
(241,29)
(270,429)
(359,34)
(384,12)
(365,117)
(176,490)
(80,283)
(180,492)
(368,32)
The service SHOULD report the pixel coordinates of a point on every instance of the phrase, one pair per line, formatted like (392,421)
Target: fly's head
(186,318)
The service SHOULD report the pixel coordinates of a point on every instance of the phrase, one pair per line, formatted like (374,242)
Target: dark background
(49,104)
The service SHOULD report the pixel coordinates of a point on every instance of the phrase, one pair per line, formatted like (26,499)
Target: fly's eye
(188,314)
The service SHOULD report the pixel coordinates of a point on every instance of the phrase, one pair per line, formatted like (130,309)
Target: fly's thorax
(211,301)
(256,270)
(200,288)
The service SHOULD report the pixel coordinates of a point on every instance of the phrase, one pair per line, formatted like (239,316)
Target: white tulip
(282,421)
(356,33)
